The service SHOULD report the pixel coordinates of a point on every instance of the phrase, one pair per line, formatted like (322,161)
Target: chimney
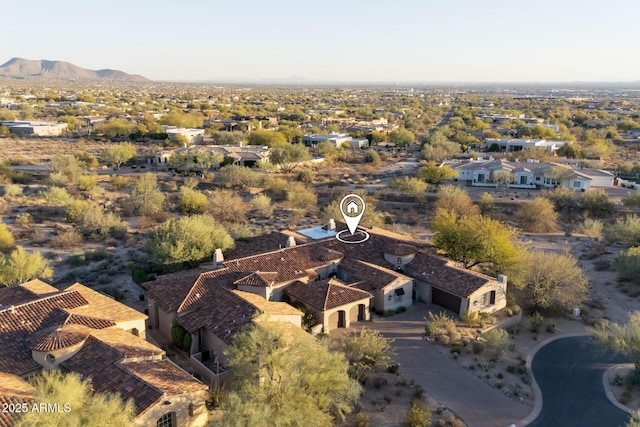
(218,259)
(12,309)
(502,278)
(332,225)
(290,242)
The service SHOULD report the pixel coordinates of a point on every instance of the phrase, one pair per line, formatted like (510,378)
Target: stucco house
(80,330)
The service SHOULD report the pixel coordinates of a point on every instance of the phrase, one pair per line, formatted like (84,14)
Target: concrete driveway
(569,373)
(476,402)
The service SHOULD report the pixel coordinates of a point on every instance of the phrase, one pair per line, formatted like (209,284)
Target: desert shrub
(192,201)
(537,323)
(275,185)
(362,420)
(24,220)
(371,156)
(470,318)
(597,203)
(628,263)
(74,209)
(119,182)
(12,190)
(412,186)
(300,197)
(591,227)
(58,179)
(139,275)
(217,397)
(632,199)
(240,231)
(625,230)
(419,414)
(537,216)
(235,176)
(7,241)
(438,324)
(98,224)
(262,204)
(227,206)
(477,347)
(306,175)
(87,182)
(56,196)
(67,239)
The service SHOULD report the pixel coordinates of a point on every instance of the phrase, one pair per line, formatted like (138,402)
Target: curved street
(569,373)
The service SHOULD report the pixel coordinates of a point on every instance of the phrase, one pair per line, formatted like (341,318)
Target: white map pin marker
(352,208)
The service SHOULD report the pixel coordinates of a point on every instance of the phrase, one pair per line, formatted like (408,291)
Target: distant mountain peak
(21,68)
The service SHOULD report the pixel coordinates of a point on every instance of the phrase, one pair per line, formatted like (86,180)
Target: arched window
(167,420)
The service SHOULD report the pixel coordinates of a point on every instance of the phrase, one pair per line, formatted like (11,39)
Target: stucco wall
(180,405)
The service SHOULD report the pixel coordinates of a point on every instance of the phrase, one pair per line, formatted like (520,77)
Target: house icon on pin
(352,208)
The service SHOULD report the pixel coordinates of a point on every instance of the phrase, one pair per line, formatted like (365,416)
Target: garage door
(445,299)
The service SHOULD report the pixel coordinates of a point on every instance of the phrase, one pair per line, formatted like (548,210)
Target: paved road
(476,402)
(569,373)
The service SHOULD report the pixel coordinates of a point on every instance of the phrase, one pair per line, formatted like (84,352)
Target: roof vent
(291,242)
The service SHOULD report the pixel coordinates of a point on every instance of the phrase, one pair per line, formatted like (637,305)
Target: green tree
(119,154)
(145,198)
(88,409)
(365,350)
(623,339)
(435,174)
(188,239)
(596,203)
(274,380)
(180,119)
(268,138)
(537,216)
(6,238)
(21,266)
(67,167)
(552,279)
(116,127)
(287,156)
(372,156)
(626,230)
(475,239)
(204,159)
(401,137)
(262,204)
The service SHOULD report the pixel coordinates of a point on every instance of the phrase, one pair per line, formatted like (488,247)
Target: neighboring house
(80,330)
(249,155)
(516,144)
(532,174)
(192,136)
(336,138)
(32,128)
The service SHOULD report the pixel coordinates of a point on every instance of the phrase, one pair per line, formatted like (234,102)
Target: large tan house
(80,330)
(340,283)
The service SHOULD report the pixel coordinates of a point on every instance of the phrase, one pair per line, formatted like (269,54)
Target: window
(50,358)
(523,179)
(489,298)
(576,184)
(480,177)
(167,420)
(398,294)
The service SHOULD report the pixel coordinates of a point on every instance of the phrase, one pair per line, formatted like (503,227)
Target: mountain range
(20,68)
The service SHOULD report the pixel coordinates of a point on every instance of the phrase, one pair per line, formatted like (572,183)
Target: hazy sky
(346,40)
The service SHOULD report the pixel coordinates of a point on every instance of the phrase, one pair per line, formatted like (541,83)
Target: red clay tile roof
(98,363)
(14,295)
(13,390)
(260,279)
(368,276)
(103,307)
(91,322)
(325,294)
(164,375)
(170,290)
(400,249)
(224,318)
(17,324)
(57,338)
(257,245)
(39,287)
(442,274)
